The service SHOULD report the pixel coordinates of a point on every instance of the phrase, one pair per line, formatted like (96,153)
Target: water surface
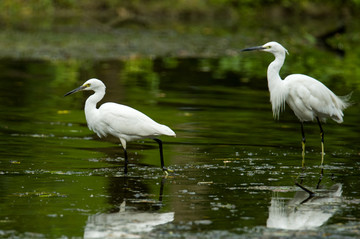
(235,167)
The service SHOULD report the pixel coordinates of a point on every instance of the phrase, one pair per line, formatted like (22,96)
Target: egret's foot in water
(167,171)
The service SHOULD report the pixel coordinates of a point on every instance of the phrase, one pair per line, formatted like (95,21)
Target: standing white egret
(307,97)
(121,121)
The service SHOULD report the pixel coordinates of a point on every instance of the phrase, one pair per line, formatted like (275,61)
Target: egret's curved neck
(273,75)
(90,104)
(278,93)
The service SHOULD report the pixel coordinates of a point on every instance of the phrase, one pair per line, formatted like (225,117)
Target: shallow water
(235,167)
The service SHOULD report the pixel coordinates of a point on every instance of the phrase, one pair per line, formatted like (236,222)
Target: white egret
(121,121)
(307,97)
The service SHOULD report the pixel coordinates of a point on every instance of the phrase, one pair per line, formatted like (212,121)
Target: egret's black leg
(320,178)
(161,156)
(311,193)
(161,153)
(322,141)
(303,144)
(126,162)
(161,189)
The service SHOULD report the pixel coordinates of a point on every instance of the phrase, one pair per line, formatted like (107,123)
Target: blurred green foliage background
(321,36)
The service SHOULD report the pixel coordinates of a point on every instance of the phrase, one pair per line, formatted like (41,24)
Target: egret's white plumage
(121,121)
(307,97)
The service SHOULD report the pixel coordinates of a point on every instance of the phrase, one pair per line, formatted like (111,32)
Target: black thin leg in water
(311,193)
(161,189)
(322,141)
(166,170)
(320,178)
(303,145)
(308,198)
(322,151)
(161,156)
(161,153)
(126,162)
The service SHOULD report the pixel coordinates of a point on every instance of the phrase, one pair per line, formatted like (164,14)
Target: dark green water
(234,166)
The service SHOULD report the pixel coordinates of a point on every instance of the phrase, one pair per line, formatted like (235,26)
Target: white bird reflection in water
(304,211)
(124,224)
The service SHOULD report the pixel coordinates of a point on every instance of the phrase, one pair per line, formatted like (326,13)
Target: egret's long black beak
(255,48)
(75,90)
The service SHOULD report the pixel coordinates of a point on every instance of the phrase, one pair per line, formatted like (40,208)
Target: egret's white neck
(275,84)
(273,71)
(90,104)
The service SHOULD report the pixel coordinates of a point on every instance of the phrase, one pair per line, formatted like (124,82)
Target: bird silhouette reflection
(308,209)
(134,213)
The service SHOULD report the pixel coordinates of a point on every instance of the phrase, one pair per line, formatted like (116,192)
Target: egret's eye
(268,47)
(87,85)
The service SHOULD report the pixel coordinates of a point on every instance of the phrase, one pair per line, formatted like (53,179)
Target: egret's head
(92,84)
(272,47)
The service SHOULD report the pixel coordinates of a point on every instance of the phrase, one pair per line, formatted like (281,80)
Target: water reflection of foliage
(340,74)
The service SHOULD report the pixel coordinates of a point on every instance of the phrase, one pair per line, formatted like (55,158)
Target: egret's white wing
(126,122)
(309,98)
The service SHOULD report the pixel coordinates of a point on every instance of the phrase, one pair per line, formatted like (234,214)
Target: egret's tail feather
(167,131)
(341,102)
(345,100)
